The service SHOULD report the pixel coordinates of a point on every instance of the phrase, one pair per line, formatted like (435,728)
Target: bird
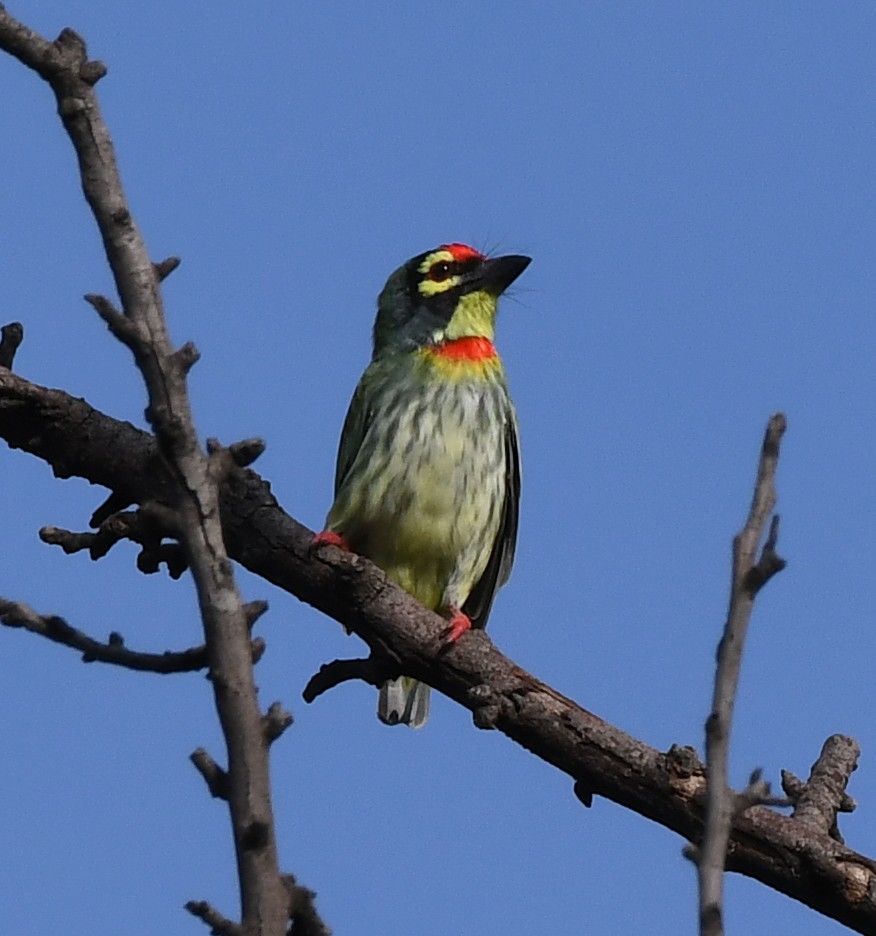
(427,481)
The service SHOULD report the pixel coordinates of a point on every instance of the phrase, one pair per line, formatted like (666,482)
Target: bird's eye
(439,271)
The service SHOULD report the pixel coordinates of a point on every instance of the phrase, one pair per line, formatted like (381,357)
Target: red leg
(459,624)
(330,538)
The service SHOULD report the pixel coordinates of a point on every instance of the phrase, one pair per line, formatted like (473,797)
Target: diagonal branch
(798,860)
(748,577)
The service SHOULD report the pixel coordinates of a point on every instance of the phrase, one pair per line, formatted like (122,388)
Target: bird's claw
(329,538)
(459,624)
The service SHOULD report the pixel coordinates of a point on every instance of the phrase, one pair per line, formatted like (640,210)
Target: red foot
(459,624)
(330,538)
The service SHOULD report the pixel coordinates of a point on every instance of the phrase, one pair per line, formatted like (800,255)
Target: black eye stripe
(444,269)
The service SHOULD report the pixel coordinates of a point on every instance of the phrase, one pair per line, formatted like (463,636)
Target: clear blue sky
(696,185)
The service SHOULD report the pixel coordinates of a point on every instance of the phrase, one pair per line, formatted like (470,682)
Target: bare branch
(303,917)
(187,356)
(123,328)
(275,721)
(115,503)
(133,525)
(748,577)
(16,614)
(164,268)
(192,487)
(757,793)
(796,860)
(214,776)
(371,670)
(823,796)
(11,336)
(146,526)
(72,542)
(247,451)
(254,610)
(219,925)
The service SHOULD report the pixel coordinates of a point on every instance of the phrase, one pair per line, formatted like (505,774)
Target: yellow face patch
(475,316)
(432,286)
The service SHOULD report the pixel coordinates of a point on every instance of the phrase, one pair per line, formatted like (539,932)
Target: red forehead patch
(463,252)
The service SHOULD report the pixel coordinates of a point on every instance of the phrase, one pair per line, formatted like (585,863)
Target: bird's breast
(429,479)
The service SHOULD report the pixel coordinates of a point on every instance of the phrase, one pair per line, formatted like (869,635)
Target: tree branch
(214,776)
(146,526)
(303,918)
(800,861)
(56,629)
(275,721)
(219,925)
(823,796)
(748,577)
(797,857)
(371,670)
(194,479)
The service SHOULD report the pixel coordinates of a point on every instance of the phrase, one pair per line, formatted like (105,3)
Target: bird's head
(442,295)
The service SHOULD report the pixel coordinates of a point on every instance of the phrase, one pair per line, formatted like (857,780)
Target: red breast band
(467,349)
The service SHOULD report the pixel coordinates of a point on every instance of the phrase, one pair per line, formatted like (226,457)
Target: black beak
(497,274)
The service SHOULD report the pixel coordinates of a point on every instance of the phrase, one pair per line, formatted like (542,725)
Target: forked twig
(749,575)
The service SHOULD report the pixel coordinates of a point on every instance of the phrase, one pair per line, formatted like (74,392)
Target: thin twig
(303,917)
(214,776)
(253,611)
(146,526)
(748,577)
(219,925)
(275,721)
(165,267)
(115,503)
(371,670)
(16,614)
(757,793)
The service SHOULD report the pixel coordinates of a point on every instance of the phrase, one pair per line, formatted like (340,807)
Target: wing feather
(356,424)
(479,603)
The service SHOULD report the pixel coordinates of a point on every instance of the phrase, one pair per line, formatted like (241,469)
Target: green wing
(359,417)
(480,601)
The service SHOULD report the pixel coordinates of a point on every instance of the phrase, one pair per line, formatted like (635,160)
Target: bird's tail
(404,701)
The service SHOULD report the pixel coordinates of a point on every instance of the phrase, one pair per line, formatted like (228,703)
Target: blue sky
(695,184)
